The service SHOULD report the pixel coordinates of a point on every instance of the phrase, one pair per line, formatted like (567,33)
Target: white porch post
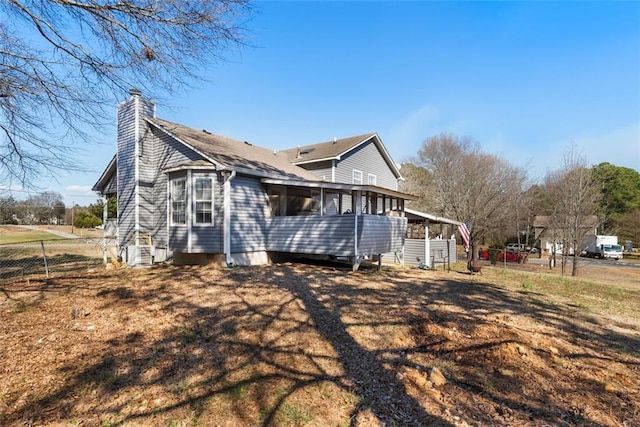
(427,246)
(357,207)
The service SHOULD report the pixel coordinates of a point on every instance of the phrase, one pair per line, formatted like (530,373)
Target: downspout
(226,239)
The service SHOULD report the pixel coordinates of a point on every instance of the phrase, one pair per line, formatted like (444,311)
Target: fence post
(44,256)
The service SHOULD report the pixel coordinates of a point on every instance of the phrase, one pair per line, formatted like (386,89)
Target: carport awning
(433,219)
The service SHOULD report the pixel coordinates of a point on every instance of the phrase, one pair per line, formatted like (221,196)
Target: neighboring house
(550,236)
(197,197)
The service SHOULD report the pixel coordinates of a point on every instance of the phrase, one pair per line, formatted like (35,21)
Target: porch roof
(346,188)
(412,214)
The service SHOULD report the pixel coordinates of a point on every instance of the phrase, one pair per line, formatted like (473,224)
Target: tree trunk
(574,270)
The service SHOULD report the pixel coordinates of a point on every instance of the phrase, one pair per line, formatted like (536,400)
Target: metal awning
(412,214)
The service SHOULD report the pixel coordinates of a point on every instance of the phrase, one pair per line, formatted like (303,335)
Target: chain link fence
(47,258)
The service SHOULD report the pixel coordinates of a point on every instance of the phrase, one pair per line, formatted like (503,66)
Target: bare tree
(65,63)
(573,197)
(469,185)
(417,181)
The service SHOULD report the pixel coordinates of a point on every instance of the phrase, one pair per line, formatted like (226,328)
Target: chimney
(133,164)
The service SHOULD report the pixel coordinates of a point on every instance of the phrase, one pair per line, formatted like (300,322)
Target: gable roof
(231,154)
(334,150)
(106,176)
(547,221)
(544,224)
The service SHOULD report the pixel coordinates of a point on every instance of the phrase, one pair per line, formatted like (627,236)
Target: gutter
(227,219)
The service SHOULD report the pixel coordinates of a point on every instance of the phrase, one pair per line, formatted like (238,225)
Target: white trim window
(179,201)
(357,176)
(372,179)
(203,197)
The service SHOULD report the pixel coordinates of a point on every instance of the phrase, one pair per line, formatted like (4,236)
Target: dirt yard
(317,345)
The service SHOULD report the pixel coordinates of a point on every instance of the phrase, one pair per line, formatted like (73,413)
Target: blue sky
(524,79)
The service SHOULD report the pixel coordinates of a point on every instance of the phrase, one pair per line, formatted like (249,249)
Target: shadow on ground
(315,344)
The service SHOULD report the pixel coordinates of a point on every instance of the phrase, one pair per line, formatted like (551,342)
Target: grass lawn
(12,235)
(317,345)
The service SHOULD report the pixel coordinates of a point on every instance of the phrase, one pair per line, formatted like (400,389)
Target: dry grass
(315,345)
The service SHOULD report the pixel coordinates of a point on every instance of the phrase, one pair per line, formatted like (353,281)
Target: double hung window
(178,201)
(357,177)
(203,191)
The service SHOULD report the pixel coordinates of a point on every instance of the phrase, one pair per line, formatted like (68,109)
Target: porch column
(357,207)
(427,246)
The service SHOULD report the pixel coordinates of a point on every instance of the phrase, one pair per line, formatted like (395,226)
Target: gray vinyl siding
(334,234)
(209,238)
(320,169)
(249,213)
(178,238)
(126,173)
(414,252)
(368,159)
(330,235)
(441,252)
(160,215)
(170,153)
(111,187)
(146,187)
(380,234)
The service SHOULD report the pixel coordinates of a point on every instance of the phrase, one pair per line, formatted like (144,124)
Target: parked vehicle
(599,246)
(502,255)
(520,247)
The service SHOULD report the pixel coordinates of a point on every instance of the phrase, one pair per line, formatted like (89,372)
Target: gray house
(195,197)
(361,159)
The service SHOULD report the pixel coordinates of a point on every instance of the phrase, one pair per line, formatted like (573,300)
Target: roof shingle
(234,154)
(325,150)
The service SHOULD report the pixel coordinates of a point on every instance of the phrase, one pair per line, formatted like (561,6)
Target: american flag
(464,232)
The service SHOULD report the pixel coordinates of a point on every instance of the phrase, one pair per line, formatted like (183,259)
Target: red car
(502,256)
